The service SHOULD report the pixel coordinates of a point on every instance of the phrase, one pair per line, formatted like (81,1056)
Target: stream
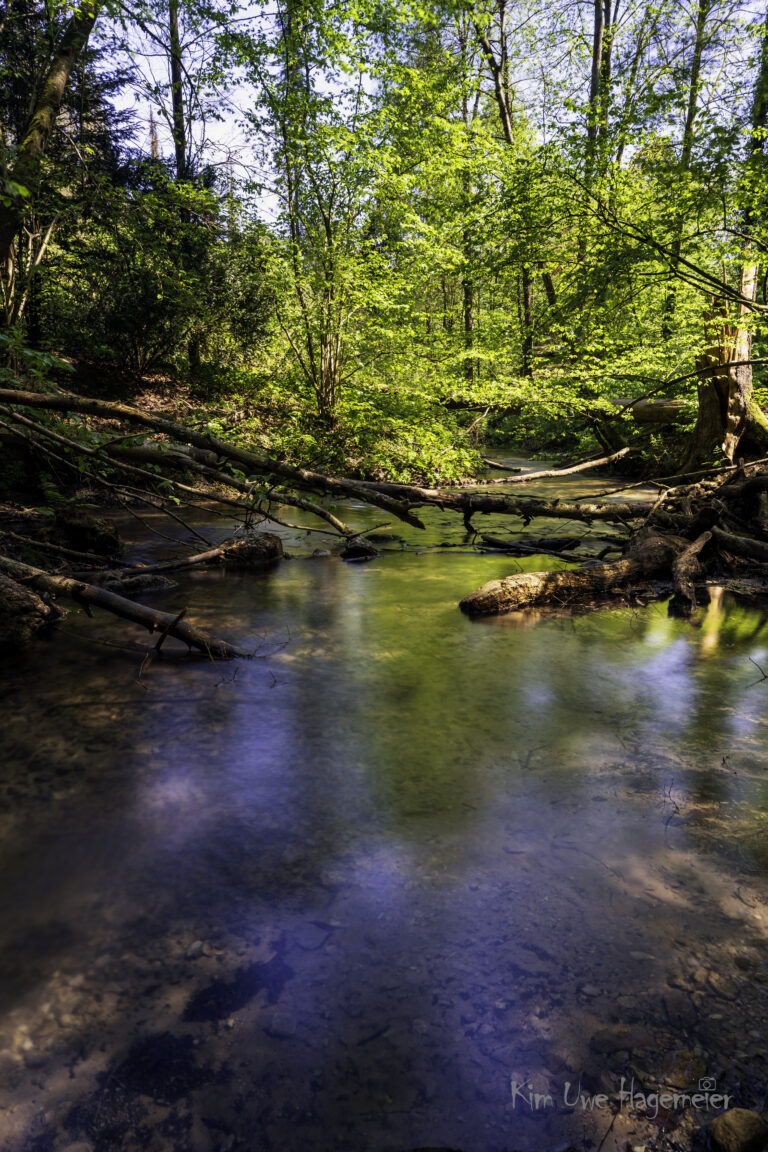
(404,880)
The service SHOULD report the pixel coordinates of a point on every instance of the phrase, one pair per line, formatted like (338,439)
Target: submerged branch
(150,618)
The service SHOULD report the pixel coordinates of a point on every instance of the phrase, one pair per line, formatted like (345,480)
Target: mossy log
(648,554)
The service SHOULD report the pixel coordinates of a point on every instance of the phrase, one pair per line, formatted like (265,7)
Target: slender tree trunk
(597,109)
(670,300)
(525,277)
(177,92)
(594,107)
(468,293)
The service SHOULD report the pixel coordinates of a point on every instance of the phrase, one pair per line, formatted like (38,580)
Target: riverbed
(403,880)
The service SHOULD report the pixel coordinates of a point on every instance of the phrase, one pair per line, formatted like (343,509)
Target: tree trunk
(177,92)
(527,322)
(728,414)
(718,392)
(670,300)
(166,623)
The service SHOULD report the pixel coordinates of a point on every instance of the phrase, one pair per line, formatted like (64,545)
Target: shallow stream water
(382,886)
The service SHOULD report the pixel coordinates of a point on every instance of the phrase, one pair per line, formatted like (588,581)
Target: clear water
(348,894)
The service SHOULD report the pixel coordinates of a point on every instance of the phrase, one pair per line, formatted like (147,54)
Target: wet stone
(738,1130)
(310,936)
(106,1115)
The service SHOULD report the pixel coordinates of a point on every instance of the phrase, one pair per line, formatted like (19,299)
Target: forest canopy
(370,236)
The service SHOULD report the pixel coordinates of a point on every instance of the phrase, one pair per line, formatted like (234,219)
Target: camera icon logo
(707,1084)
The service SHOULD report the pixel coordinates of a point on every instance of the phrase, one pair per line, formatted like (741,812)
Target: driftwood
(686,571)
(150,618)
(497,466)
(553,473)
(648,554)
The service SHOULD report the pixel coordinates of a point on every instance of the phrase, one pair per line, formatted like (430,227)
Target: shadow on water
(381,885)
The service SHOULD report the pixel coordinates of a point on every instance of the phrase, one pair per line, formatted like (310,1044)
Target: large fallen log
(166,623)
(741,545)
(648,554)
(254,461)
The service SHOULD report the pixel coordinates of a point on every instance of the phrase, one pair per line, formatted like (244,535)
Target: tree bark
(686,571)
(526,507)
(22,613)
(177,92)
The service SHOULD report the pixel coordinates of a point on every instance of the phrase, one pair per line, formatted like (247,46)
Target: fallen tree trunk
(648,554)
(186,458)
(553,473)
(257,462)
(150,618)
(259,550)
(659,411)
(499,467)
(527,507)
(741,545)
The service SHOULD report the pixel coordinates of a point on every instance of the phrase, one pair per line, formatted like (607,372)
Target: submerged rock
(738,1130)
(162,1066)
